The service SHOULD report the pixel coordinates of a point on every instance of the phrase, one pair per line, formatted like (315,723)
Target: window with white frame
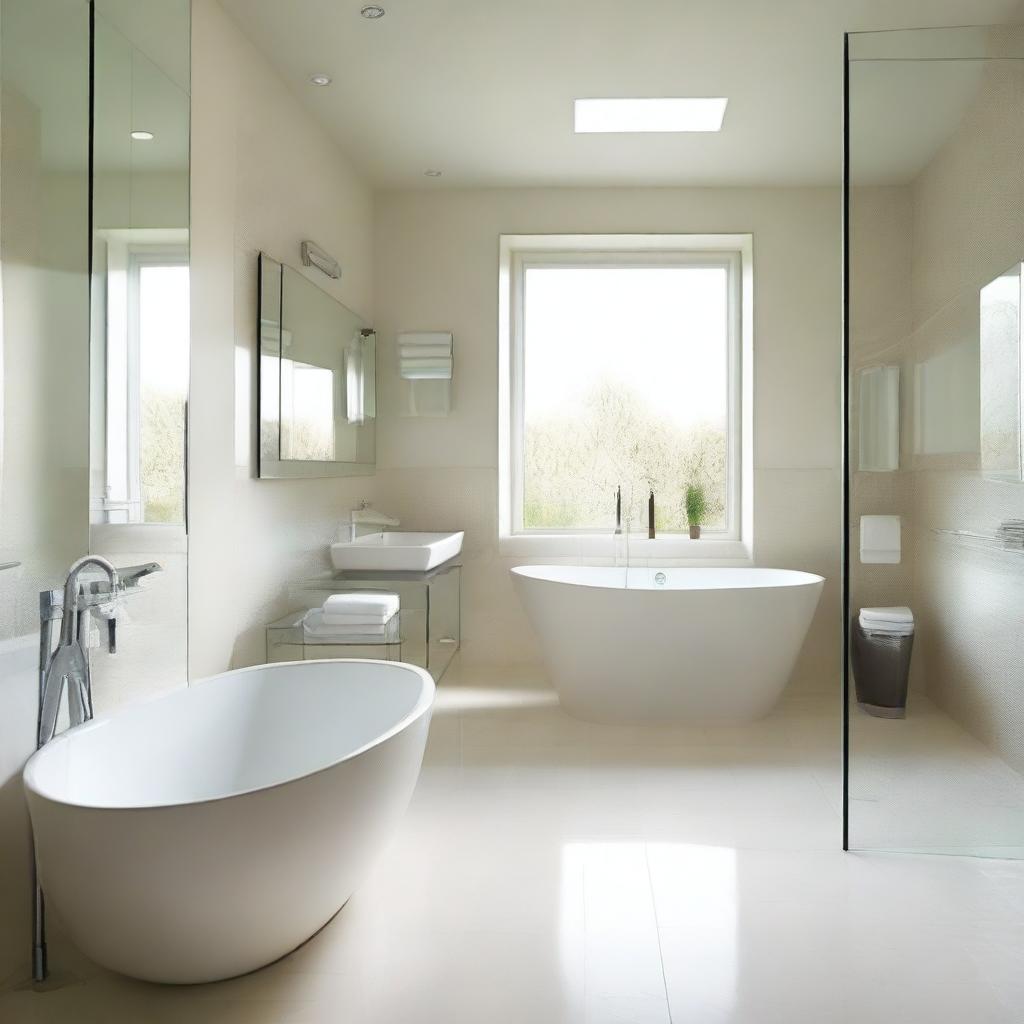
(623,366)
(146,377)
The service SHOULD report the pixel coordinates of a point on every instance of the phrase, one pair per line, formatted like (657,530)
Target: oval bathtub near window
(668,645)
(211,831)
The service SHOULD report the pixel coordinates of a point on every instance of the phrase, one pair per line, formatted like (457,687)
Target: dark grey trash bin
(881,666)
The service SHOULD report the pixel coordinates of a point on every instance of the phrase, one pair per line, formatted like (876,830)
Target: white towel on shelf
(425,351)
(425,355)
(353,620)
(314,627)
(375,603)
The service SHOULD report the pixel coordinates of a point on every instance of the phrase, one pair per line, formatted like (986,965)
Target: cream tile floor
(553,871)
(923,783)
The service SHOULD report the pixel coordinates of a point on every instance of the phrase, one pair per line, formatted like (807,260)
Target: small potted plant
(696,509)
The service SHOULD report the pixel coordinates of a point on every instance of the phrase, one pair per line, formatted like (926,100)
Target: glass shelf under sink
(287,640)
(429,617)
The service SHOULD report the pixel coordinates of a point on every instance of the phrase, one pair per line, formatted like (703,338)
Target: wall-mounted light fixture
(314,256)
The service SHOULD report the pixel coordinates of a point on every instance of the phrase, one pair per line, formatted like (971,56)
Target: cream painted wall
(436,265)
(264,176)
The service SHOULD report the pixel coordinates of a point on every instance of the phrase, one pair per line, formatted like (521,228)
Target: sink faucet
(365,516)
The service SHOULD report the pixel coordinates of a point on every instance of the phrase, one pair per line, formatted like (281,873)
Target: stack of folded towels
(887,621)
(361,617)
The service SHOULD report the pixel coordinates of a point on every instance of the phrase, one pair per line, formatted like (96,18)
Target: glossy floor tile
(551,871)
(924,784)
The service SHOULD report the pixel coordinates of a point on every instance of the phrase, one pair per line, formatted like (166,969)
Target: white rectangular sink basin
(396,551)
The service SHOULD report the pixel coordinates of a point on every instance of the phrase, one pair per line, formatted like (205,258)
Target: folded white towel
(425,351)
(362,602)
(426,372)
(354,620)
(423,363)
(314,627)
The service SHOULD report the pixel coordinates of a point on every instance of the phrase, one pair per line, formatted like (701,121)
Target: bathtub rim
(423,706)
(801,578)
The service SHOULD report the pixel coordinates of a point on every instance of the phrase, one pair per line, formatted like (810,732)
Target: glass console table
(429,628)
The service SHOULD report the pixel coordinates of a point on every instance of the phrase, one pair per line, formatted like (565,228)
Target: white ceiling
(483,89)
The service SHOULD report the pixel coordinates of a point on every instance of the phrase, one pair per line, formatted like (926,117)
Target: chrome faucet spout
(69,626)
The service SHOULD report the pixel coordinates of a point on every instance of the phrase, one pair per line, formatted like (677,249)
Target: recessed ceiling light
(142,136)
(680,114)
(320,79)
(432,173)
(373,11)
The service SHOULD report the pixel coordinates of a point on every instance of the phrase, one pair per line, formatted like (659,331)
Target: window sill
(668,550)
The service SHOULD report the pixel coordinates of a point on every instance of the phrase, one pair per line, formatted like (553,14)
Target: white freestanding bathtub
(668,645)
(209,832)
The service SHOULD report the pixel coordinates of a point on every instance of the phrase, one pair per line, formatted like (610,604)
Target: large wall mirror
(139,336)
(317,380)
(879,433)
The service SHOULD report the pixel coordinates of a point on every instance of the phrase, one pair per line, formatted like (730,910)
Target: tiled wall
(968,227)
(436,267)
(920,253)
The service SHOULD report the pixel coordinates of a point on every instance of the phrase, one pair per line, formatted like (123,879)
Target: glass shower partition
(94,138)
(934,242)
(44,404)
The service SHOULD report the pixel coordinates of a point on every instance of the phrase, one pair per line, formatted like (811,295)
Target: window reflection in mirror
(146,379)
(1001,447)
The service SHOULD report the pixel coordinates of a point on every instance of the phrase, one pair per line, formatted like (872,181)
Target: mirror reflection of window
(163,386)
(307,411)
(1002,431)
(147,363)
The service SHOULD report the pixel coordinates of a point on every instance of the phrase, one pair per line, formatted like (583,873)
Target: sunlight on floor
(561,872)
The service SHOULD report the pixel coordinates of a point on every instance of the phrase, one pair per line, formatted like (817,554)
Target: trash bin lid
(887,621)
(887,616)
